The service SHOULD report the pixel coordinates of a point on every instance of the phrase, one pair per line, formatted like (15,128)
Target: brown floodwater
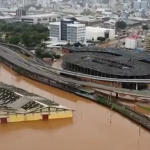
(93,127)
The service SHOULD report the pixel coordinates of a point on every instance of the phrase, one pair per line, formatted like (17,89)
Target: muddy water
(57,64)
(92,128)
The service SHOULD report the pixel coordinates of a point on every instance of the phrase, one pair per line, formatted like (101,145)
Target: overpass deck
(16,59)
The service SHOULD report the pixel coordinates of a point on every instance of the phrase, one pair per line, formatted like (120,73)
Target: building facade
(55,30)
(68,30)
(20,12)
(92,33)
(131,42)
(144,4)
(1,3)
(147,42)
(44,3)
(40,18)
(76,33)
(64,28)
(139,4)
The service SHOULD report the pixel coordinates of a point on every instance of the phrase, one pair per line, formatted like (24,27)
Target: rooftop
(40,15)
(85,18)
(55,23)
(97,29)
(114,62)
(15,100)
(76,25)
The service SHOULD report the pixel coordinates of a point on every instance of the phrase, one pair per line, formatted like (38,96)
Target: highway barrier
(137,117)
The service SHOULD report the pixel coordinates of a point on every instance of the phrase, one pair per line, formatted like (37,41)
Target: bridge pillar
(116,95)
(136,88)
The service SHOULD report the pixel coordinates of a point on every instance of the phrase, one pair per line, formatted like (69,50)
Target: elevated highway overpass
(47,73)
(41,64)
(39,71)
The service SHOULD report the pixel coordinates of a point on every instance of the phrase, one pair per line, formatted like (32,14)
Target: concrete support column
(94,72)
(90,71)
(75,68)
(136,88)
(116,95)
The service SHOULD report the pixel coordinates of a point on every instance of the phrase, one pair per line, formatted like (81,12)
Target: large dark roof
(112,61)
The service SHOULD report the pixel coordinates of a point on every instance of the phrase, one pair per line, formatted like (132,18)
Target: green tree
(145,27)
(101,39)
(121,25)
(41,50)
(27,39)
(14,40)
(77,44)
(29,35)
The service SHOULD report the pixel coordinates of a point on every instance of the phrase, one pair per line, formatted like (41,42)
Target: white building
(76,32)
(136,5)
(112,3)
(44,3)
(22,3)
(95,32)
(131,42)
(55,30)
(144,4)
(40,18)
(1,3)
(139,4)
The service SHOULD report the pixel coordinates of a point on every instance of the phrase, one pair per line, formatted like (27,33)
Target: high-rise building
(139,4)
(1,3)
(76,32)
(20,12)
(112,3)
(68,30)
(55,30)
(64,28)
(136,5)
(44,3)
(144,4)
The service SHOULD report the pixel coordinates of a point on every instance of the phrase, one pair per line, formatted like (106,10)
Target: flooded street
(93,127)
(57,64)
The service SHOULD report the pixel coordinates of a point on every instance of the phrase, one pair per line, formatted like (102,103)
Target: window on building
(39,19)
(44,18)
(54,20)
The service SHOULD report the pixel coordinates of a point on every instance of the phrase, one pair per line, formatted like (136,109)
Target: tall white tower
(1,3)
(44,3)
(112,3)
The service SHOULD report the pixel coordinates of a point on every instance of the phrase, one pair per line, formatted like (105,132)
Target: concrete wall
(37,116)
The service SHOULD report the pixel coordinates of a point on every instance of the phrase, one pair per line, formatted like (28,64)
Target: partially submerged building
(18,105)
